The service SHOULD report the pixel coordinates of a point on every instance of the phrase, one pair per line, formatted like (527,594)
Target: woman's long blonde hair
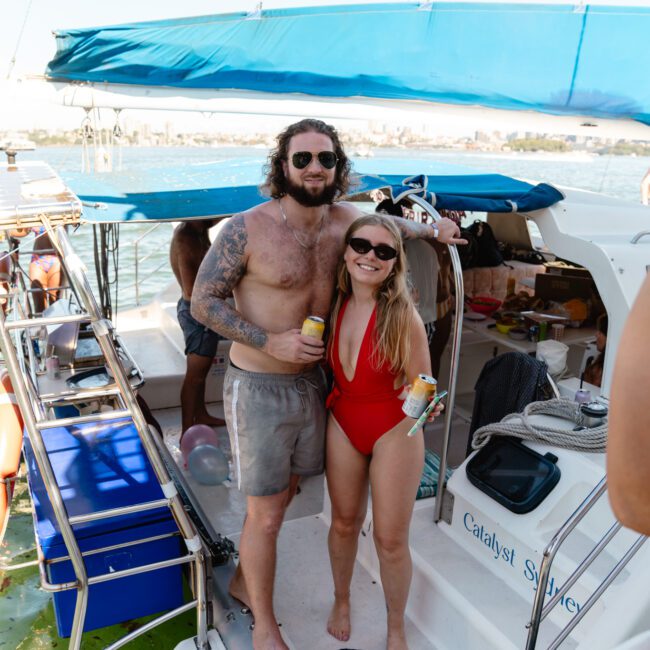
(392,335)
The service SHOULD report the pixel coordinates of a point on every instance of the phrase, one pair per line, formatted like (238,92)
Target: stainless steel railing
(539,611)
(139,260)
(35,414)
(455,360)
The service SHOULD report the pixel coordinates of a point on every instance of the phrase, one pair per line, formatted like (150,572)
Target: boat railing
(541,611)
(17,340)
(139,260)
(442,500)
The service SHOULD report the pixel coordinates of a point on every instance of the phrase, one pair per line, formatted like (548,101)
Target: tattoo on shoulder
(232,242)
(221,271)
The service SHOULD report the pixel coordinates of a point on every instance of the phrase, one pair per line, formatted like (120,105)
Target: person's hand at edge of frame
(449,232)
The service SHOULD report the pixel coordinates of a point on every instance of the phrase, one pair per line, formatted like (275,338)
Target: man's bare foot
(397,640)
(268,639)
(208,419)
(237,588)
(338,624)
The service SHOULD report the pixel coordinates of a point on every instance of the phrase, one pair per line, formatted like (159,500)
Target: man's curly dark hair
(275,184)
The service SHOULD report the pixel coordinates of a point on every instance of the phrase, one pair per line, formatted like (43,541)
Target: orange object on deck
(11,440)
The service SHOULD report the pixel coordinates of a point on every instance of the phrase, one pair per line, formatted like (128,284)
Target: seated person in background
(593,373)
(44,268)
(628,444)
(190,243)
(430,268)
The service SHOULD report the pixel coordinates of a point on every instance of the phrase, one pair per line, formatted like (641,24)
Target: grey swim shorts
(276,425)
(199,339)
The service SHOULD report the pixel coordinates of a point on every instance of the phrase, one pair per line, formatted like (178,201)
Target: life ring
(11,428)
(11,440)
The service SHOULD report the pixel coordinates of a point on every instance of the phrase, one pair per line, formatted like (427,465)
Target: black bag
(528,256)
(488,253)
(468,253)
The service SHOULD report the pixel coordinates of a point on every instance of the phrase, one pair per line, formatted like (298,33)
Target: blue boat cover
(571,59)
(224,188)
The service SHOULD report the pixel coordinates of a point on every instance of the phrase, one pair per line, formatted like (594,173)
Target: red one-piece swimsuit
(368,406)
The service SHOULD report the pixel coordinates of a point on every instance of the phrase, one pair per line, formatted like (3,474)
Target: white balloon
(208,465)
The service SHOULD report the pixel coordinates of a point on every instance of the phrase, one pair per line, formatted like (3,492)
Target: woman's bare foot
(338,624)
(237,588)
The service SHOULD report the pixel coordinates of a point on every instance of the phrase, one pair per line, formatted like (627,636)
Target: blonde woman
(378,345)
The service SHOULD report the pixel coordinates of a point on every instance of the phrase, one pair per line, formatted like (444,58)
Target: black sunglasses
(301,159)
(362,246)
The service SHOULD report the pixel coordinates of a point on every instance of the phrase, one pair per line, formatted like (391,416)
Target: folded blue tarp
(570,59)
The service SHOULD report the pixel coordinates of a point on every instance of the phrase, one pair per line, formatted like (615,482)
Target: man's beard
(309,199)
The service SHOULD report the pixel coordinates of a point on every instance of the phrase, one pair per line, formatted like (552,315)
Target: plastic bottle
(42,342)
(543,330)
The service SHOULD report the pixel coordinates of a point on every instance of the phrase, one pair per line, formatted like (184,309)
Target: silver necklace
(295,234)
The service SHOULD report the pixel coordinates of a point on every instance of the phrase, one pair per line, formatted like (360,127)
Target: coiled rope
(517,425)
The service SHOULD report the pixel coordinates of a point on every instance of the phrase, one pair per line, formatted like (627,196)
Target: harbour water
(618,176)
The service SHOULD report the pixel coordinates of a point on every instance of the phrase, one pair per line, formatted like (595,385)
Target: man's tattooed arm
(412,229)
(219,273)
(448,231)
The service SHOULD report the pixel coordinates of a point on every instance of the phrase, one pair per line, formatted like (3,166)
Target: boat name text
(507,554)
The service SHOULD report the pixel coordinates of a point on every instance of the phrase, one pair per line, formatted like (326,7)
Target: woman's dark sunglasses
(362,246)
(301,159)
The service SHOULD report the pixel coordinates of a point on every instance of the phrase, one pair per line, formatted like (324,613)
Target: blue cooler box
(99,466)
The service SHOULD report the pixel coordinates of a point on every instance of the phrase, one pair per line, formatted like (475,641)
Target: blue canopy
(560,59)
(224,188)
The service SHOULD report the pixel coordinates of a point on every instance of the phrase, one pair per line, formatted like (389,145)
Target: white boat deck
(303,584)
(461,597)
(454,601)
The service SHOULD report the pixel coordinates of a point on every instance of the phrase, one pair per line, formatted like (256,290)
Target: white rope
(517,425)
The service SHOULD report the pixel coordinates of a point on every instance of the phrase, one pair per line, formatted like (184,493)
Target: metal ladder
(540,612)
(35,412)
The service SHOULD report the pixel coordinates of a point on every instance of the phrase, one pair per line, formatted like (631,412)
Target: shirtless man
(189,245)
(279,260)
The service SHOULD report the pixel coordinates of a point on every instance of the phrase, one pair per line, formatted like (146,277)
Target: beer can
(423,388)
(52,367)
(313,326)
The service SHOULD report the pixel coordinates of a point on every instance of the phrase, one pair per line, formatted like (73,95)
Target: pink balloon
(197,434)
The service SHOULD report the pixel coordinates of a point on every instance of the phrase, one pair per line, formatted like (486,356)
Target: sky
(26,28)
